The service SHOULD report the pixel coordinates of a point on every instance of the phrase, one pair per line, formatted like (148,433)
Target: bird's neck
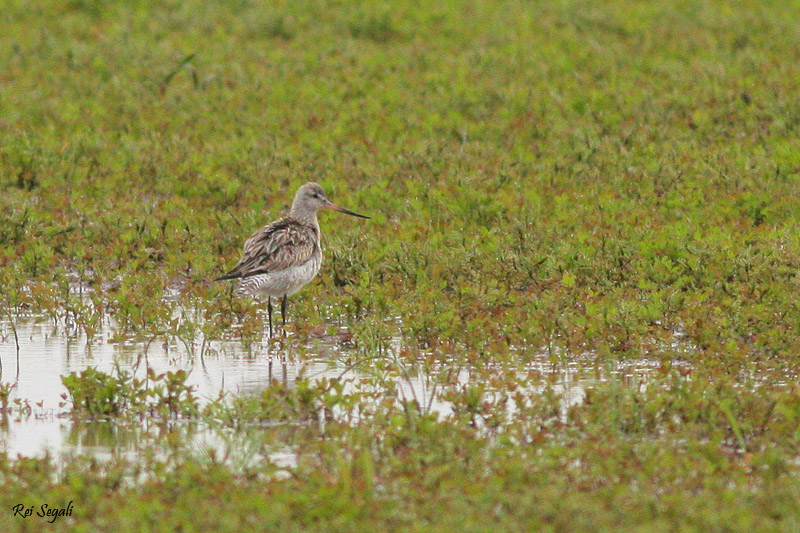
(303,216)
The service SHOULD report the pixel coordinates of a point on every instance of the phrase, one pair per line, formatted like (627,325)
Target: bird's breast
(281,282)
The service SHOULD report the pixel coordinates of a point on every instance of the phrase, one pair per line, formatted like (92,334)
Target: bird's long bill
(343,210)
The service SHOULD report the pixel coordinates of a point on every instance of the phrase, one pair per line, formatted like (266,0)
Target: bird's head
(310,198)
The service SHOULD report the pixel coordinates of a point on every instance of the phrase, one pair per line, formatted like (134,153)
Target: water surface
(47,352)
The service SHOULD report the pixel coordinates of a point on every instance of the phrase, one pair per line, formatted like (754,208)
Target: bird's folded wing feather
(278,246)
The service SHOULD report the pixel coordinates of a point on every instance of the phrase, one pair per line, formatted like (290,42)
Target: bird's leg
(269,313)
(283,313)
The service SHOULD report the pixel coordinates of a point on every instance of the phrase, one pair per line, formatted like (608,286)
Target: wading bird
(283,256)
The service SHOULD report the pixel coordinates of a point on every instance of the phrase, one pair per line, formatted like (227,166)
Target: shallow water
(46,353)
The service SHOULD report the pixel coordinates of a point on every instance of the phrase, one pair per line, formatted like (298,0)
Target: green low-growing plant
(5,396)
(168,394)
(98,394)
(95,393)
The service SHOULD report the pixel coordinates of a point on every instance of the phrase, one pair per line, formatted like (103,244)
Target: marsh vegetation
(608,189)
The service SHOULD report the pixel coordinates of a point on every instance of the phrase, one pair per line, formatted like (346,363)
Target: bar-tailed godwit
(283,256)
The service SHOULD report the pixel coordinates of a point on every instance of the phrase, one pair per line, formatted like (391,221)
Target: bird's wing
(283,244)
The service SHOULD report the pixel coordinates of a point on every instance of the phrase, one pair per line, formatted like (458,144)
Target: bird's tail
(229,275)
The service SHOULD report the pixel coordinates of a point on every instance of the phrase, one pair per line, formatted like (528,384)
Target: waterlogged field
(575,307)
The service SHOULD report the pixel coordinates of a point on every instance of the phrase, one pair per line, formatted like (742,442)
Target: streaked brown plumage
(281,245)
(283,256)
